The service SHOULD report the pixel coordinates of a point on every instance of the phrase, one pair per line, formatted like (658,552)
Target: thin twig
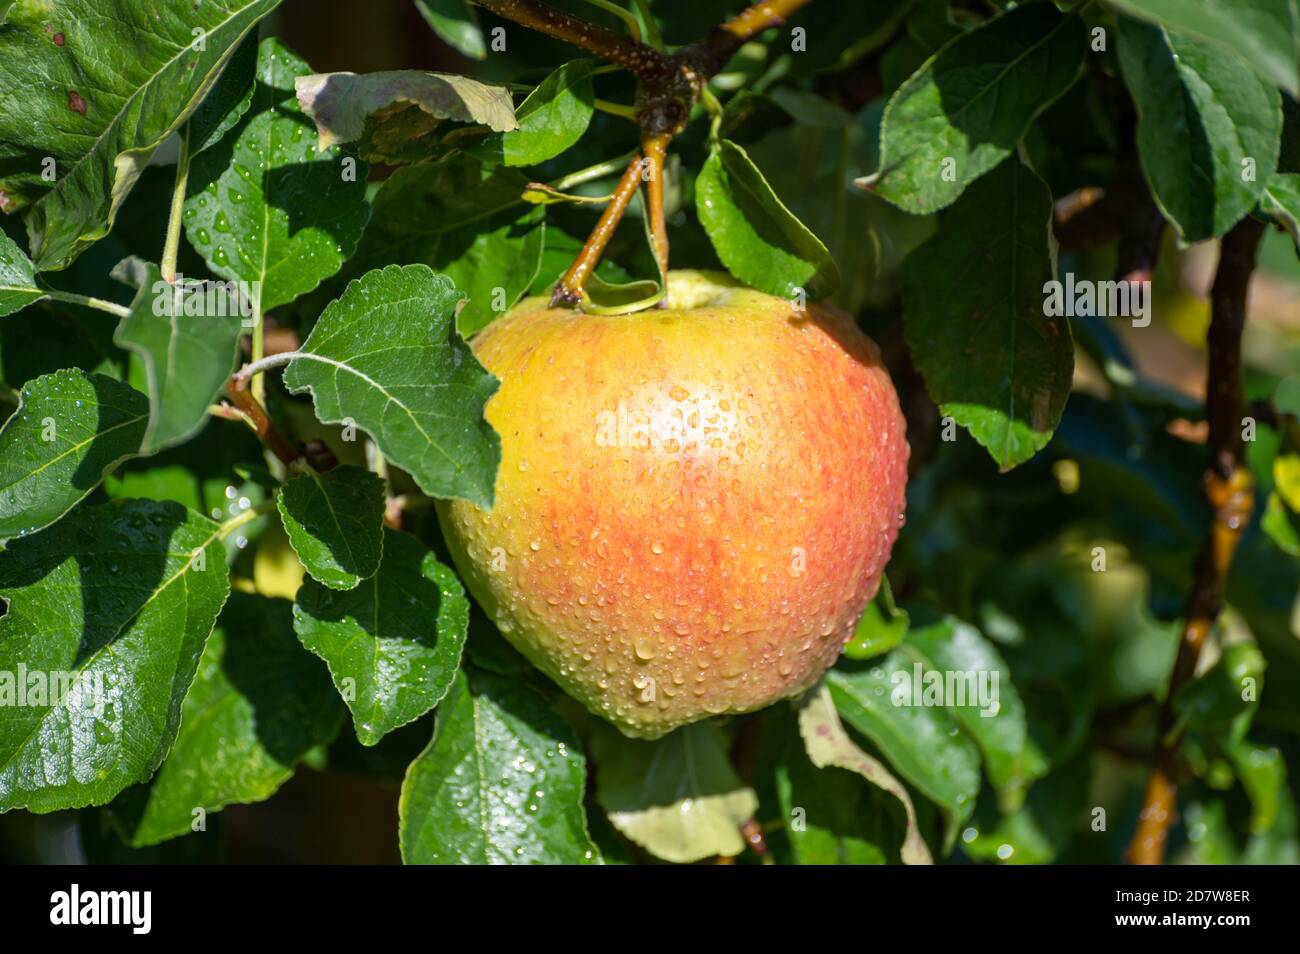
(244,517)
(568,291)
(634,56)
(254,368)
(87,301)
(655,148)
(262,424)
(1228,487)
(729,37)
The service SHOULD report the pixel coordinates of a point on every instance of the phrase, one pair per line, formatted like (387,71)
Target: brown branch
(264,427)
(1139,238)
(1228,487)
(729,37)
(752,832)
(642,60)
(568,291)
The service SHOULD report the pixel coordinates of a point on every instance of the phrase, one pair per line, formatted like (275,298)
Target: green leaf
(831,816)
(1011,757)
(386,356)
(1222,701)
(71,428)
(258,705)
(677,797)
(974,316)
(553,117)
(125,77)
(18,287)
(335,523)
(814,168)
(921,742)
(393,643)
(465,219)
(1281,525)
(229,99)
(501,782)
(1262,773)
(114,604)
(1204,119)
(187,337)
(1263,33)
(829,745)
(756,236)
(1281,202)
(963,112)
(394,116)
(265,207)
(456,24)
(882,626)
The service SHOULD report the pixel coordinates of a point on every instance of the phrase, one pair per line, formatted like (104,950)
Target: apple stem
(668,87)
(568,291)
(1229,489)
(655,148)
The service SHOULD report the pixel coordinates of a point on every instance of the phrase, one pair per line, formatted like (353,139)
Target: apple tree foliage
(182,193)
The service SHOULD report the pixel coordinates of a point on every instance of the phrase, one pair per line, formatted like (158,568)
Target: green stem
(626,16)
(171,247)
(652,36)
(86,301)
(714,109)
(260,364)
(615,109)
(245,517)
(598,171)
(258,386)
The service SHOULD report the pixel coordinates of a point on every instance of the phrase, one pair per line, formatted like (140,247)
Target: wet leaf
(101,125)
(392,643)
(335,524)
(116,602)
(258,705)
(385,356)
(265,208)
(501,782)
(756,236)
(70,429)
(829,745)
(974,316)
(963,112)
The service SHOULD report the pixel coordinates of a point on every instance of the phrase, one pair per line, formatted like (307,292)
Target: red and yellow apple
(694,504)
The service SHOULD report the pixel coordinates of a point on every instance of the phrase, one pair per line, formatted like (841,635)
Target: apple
(694,504)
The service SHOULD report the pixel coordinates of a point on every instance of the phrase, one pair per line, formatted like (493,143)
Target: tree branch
(634,56)
(729,37)
(261,423)
(1228,487)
